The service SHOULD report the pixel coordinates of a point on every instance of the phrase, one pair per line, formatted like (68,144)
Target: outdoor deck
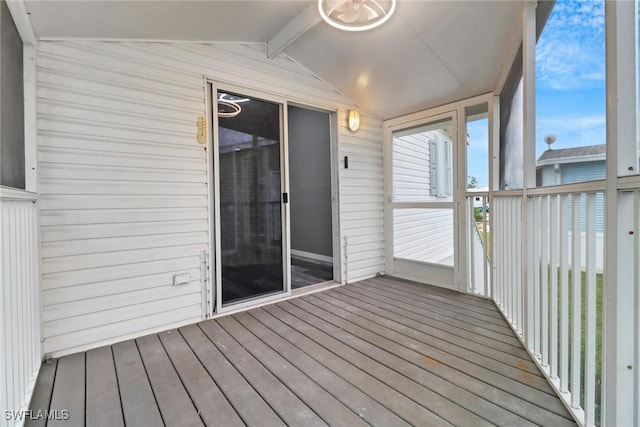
(379,352)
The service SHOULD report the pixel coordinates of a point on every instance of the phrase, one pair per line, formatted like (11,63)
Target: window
(12,153)
(440,166)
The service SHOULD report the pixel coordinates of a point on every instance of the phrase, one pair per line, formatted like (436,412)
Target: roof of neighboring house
(587,153)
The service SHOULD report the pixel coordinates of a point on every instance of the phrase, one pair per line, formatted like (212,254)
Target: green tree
(473,182)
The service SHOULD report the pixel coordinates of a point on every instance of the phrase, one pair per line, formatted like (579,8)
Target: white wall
(20,351)
(124,194)
(419,234)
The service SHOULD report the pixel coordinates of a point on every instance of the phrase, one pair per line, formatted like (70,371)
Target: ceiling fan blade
(350,16)
(371,14)
(340,5)
(380,9)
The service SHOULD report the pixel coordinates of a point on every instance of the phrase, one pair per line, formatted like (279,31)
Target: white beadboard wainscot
(123,182)
(20,350)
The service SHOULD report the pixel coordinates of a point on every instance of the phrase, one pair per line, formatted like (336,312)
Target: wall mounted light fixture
(353,121)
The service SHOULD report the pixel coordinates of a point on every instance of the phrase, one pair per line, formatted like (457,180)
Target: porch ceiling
(428,54)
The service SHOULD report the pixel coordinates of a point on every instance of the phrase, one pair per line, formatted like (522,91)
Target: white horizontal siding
(20,352)
(424,235)
(123,182)
(412,167)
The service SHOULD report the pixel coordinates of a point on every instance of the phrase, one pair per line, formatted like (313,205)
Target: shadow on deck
(379,352)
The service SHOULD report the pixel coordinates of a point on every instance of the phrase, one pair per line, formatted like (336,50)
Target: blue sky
(570,84)
(570,76)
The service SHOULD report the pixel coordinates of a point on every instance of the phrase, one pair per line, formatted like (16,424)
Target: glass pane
(477,120)
(250,207)
(423,163)
(423,235)
(570,95)
(12,167)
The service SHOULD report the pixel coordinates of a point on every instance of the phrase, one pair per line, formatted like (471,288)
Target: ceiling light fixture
(228,109)
(356,15)
(232,98)
(353,121)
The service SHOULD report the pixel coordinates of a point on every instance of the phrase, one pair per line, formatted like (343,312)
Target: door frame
(439,275)
(460,276)
(214,292)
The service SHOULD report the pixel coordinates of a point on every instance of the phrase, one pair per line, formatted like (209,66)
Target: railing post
(620,393)
(528,162)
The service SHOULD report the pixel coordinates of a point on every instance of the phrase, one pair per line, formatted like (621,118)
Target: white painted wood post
(621,270)
(528,162)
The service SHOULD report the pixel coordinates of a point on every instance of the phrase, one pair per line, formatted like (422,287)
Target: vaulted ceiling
(428,54)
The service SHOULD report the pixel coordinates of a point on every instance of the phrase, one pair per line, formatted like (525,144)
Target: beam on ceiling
(299,25)
(21,17)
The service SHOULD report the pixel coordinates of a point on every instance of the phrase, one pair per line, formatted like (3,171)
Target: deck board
(438,361)
(247,402)
(174,402)
(425,343)
(381,352)
(210,402)
(327,407)
(378,380)
(287,405)
(371,411)
(426,333)
(69,392)
(138,402)
(42,391)
(103,397)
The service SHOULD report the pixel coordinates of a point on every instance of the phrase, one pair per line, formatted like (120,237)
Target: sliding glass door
(248,161)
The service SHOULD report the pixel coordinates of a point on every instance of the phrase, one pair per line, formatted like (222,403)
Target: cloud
(571,131)
(570,52)
(572,122)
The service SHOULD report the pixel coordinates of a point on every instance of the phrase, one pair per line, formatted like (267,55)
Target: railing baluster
(485,255)
(564,295)
(576,315)
(511,283)
(507,217)
(553,271)
(518,278)
(502,268)
(544,282)
(471,265)
(590,334)
(536,275)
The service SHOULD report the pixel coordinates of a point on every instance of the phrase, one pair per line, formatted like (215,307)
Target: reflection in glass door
(250,190)
(422,200)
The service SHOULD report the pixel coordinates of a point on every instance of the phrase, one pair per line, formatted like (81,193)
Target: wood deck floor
(380,352)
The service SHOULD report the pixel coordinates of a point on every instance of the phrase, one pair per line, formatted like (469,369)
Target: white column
(619,331)
(528,161)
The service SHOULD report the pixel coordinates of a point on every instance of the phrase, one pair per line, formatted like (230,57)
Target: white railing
(478,249)
(555,302)
(506,237)
(20,352)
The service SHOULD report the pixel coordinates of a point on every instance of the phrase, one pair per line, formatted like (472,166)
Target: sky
(570,76)
(570,84)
